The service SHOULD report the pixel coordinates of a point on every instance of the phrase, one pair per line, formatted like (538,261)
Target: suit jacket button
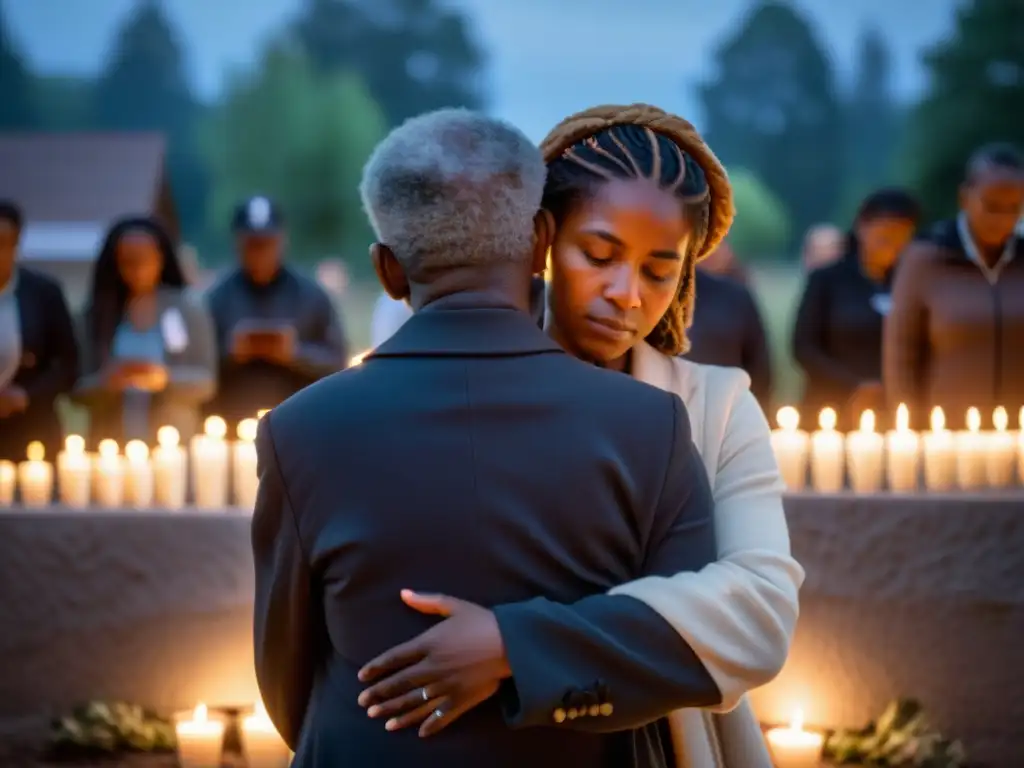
(606,709)
(559,715)
(572,713)
(594,710)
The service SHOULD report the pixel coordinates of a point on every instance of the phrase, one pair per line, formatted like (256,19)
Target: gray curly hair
(452,189)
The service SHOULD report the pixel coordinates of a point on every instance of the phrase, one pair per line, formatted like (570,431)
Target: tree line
(802,147)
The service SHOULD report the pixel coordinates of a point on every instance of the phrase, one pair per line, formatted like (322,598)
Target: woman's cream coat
(739,613)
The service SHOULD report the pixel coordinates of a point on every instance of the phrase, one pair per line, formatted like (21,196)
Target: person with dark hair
(38,349)
(150,356)
(637,199)
(277,330)
(837,336)
(954,335)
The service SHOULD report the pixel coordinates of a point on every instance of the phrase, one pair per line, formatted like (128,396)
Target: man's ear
(389,272)
(543,239)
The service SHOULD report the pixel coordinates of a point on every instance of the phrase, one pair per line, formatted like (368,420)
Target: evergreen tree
(976,96)
(17,107)
(772,109)
(144,88)
(321,129)
(413,55)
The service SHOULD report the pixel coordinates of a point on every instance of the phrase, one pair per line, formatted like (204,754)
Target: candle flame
(74,445)
(902,418)
(199,714)
(358,359)
(262,412)
(107,449)
(136,451)
(827,419)
(788,418)
(168,437)
(1000,419)
(215,427)
(973,419)
(938,419)
(867,421)
(35,451)
(247,430)
(796,723)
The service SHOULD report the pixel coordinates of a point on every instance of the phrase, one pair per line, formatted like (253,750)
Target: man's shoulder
(308,287)
(37,281)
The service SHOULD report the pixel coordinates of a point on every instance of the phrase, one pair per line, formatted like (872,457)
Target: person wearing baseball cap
(277,329)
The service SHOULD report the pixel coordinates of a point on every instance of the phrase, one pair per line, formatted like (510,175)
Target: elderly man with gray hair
(470,454)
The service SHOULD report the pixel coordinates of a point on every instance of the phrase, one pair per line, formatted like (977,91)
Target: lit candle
(138,486)
(793,747)
(902,449)
(358,359)
(169,470)
(210,465)
(970,453)
(244,478)
(108,477)
(790,444)
(1002,451)
(8,482)
(939,454)
(827,449)
(262,745)
(74,474)
(864,451)
(35,477)
(200,740)
(1020,446)
(262,412)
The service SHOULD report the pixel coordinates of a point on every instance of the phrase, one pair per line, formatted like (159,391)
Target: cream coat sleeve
(739,613)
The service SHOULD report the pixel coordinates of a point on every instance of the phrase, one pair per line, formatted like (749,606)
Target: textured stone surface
(920,596)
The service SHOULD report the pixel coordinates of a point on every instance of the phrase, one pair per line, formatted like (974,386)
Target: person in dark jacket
(956,330)
(277,330)
(728,330)
(38,349)
(837,339)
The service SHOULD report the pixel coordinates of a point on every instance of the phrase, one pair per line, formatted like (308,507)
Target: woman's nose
(624,289)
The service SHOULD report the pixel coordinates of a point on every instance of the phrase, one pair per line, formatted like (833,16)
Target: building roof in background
(82,177)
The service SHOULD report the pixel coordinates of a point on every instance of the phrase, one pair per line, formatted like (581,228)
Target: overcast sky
(548,57)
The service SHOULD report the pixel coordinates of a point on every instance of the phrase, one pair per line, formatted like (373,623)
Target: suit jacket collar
(467,325)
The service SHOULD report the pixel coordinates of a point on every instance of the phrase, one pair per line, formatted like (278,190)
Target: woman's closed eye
(597,259)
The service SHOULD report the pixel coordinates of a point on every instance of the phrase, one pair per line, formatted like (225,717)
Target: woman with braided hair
(637,200)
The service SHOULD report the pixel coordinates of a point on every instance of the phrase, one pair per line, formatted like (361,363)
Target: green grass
(778,290)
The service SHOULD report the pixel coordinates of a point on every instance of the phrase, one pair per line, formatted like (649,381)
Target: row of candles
(200,738)
(221,472)
(970,459)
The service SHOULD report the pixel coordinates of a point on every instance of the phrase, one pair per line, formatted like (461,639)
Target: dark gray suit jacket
(469,455)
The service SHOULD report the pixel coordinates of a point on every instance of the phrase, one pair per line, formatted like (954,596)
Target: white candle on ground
(8,482)
(793,747)
(902,449)
(138,486)
(109,475)
(865,449)
(791,444)
(827,454)
(74,474)
(939,454)
(210,465)
(261,744)
(243,465)
(169,470)
(35,477)
(970,454)
(1002,451)
(200,740)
